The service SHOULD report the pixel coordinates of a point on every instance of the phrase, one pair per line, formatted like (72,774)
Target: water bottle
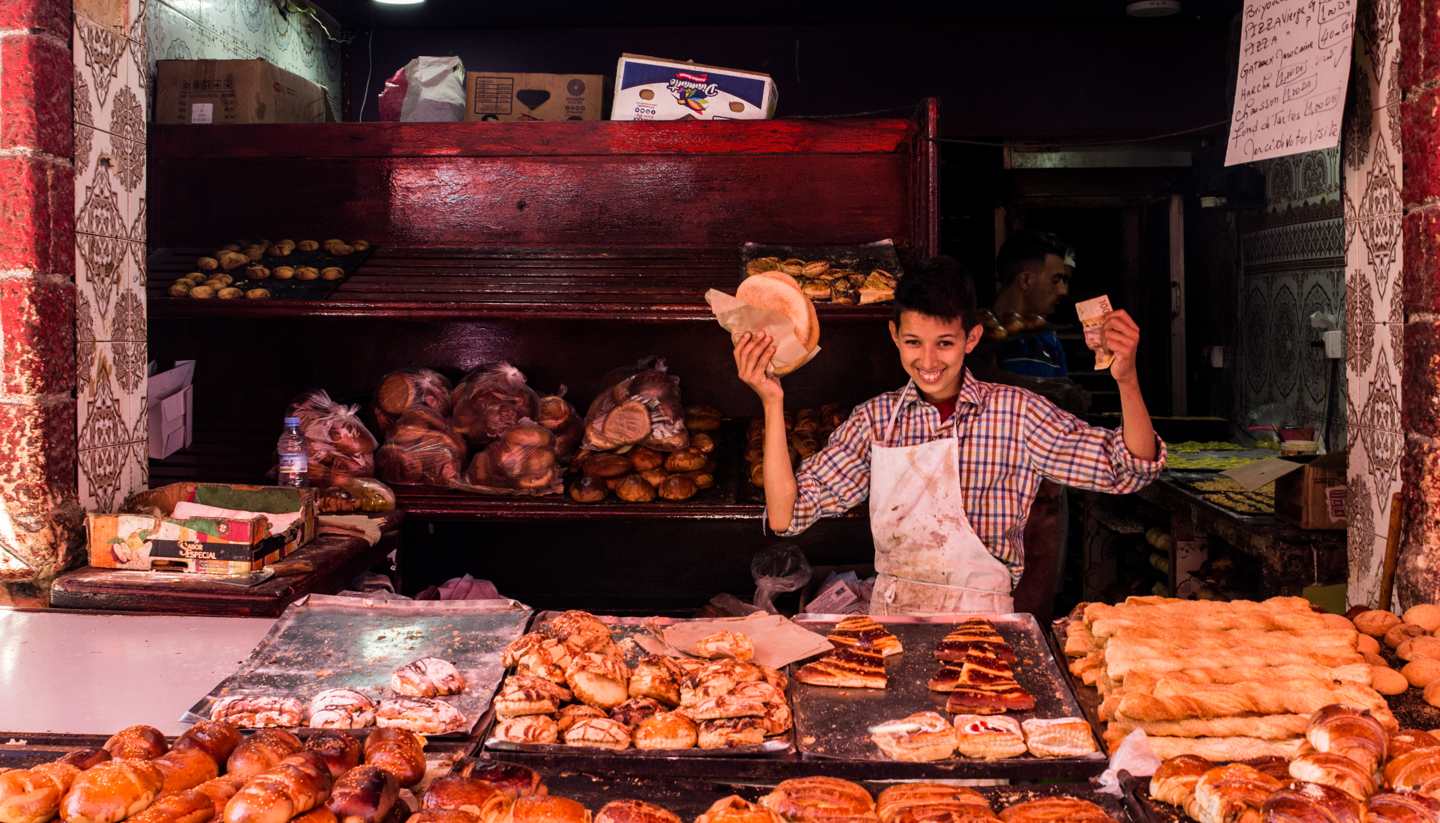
(294,463)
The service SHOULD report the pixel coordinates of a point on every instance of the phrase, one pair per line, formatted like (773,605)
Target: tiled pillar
(1418,576)
(1374,310)
(110,91)
(39,518)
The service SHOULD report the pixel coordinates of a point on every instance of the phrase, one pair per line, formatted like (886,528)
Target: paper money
(1092,317)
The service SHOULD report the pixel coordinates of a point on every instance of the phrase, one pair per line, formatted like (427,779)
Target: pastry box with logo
(203,528)
(650,88)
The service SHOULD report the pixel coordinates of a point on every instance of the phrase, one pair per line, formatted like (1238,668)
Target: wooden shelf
(648,285)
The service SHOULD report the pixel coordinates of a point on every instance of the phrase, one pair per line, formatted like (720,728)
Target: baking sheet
(625,630)
(1145,808)
(690,798)
(833,723)
(326,641)
(291,289)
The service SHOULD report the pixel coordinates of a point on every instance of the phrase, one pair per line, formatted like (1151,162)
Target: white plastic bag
(434,90)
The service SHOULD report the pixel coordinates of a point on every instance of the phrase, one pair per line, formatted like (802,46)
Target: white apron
(929,559)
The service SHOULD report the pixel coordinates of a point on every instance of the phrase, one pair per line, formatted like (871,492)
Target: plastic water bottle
(294,463)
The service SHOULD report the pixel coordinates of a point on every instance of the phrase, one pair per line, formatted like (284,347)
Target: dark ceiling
(610,13)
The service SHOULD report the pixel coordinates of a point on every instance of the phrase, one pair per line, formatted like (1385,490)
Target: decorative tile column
(110,78)
(39,515)
(1374,310)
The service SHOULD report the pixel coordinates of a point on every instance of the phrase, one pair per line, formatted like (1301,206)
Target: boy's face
(932,351)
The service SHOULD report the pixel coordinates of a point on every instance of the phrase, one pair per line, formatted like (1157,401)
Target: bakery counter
(76,678)
(325,566)
(1290,558)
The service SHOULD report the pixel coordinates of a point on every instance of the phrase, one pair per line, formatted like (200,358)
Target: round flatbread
(813,338)
(779,292)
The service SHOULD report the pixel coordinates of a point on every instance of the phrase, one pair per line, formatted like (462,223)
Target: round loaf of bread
(139,742)
(1418,647)
(599,733)
(1386,680)
(1432,693)
(1401,632)
(1421,672)
(666,730)
(1365,644)
(1376,622)
(1424,614)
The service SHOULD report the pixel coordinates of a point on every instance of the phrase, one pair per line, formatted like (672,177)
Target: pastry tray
(291,289)
(833,723)
(326,642)
(625,630)
(689,798)
(1145,808)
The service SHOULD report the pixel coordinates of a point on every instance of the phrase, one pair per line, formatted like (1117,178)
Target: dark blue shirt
(1034,355)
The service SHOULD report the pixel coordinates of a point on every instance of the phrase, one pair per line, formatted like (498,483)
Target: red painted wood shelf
(647,285)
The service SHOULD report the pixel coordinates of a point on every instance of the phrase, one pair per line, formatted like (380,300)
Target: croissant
(298,784)
(1334,770)
(1349,733)
(1313,801)
(1415,771)
(1402,807)
(1174,781)
(1225,793)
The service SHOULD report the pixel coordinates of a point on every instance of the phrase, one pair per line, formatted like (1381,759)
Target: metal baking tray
(624,630)
(326,642)
(862,258)
(689,798)
(1145,808)
(833,724)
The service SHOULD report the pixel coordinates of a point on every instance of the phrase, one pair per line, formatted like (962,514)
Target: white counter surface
(97,673)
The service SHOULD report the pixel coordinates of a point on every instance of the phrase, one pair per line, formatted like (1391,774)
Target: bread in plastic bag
(521,461)
(400,391)
(337,443)
(776,570)
(489,402)
(640,406)
(557,415)
(422,449)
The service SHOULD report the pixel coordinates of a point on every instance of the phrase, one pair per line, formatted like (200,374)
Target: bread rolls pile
(1220,680)
(251,268)
(807,431)
(570,684)
(643,474)
(1410,639)
(338,444)
(421,447)
(1350,768)
(490,402)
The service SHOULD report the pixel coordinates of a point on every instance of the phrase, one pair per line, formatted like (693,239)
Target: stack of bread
(813,799)
(807,431)
(641,473)
(570,683)
(211,774)
(1220,680)
(1349,769)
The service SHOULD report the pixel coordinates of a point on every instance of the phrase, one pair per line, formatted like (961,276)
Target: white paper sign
(202,113)
(1294,67)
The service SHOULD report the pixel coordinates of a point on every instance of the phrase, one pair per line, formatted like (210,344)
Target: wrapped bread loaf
(403,390)
(642,406)
(489,402)
(557,415)
(422,449)
(522,460)
(339,445)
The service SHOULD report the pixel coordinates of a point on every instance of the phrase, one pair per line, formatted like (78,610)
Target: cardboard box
(202,545)
(512,96)
(170,409)
(235,91)
(649,88)
(1313,497)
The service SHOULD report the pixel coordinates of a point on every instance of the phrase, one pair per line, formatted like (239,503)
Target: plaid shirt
(1010,439)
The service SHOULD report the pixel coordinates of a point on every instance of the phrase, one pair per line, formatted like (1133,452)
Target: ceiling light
(1152,8)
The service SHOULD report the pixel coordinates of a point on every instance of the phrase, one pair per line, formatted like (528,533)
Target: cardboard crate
(235,91)
(650,88)
(202,545)
(514,96)
(170,412)
(1313,497)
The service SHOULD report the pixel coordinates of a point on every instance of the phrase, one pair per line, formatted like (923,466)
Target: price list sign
(1294,67)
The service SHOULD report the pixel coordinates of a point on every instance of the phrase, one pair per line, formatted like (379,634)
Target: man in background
(1034,271)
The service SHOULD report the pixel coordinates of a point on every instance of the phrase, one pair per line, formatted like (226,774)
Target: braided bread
(1277,697)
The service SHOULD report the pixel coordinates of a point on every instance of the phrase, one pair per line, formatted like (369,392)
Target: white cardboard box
(170,409)
(651,88)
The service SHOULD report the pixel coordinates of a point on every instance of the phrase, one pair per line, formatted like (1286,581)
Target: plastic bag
(642,406)
(776,570)
(400,391)
(557,415)
(360,494)
(521,461)
(426,90)
(490,402)
(337,443)
(422,449)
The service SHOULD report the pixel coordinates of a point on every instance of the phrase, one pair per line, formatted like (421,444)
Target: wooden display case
(567,249)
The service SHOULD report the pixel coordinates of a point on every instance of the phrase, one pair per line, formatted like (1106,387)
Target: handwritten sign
(1294,66)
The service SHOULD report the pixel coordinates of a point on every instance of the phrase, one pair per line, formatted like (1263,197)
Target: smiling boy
(949,463)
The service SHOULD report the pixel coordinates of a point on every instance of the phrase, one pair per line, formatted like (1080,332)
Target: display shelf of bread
(972,696)
(263,269)
(1349,768)
(836,275)
(572,685)
(806,431)
(1219,680)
